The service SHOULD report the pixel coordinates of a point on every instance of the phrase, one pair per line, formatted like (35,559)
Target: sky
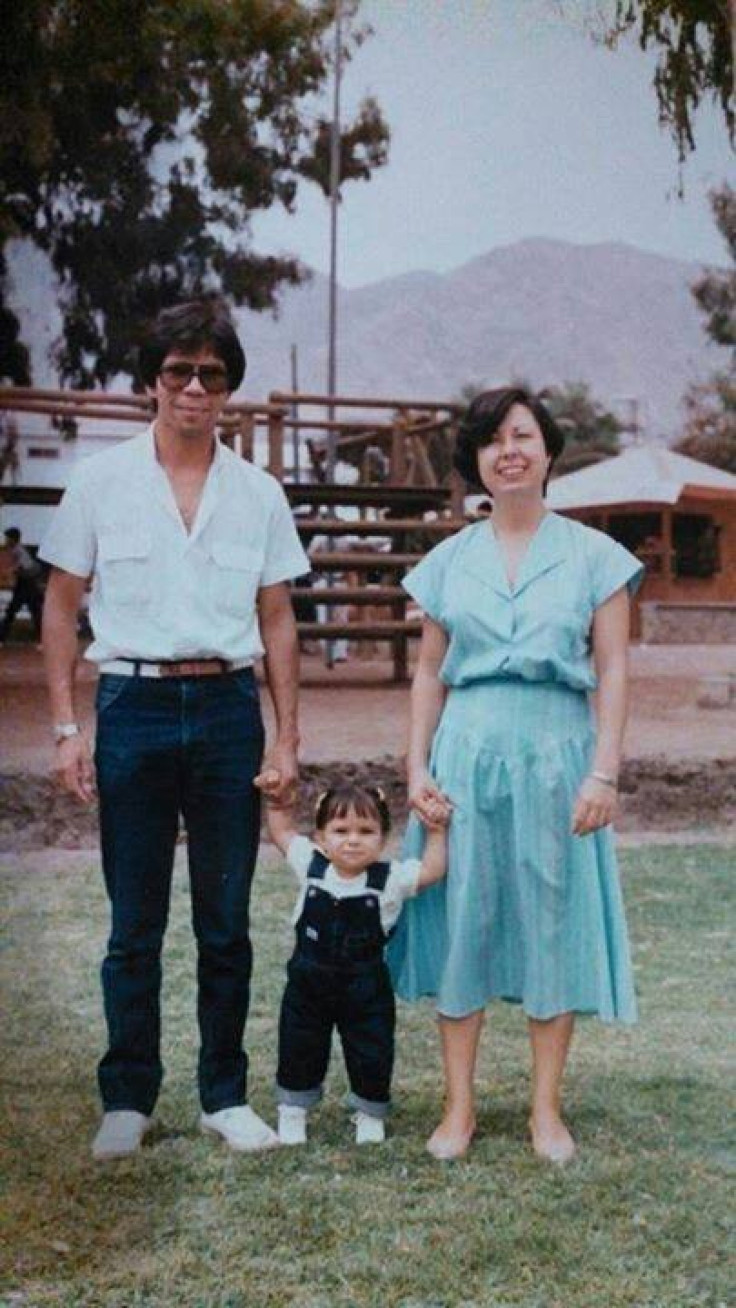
(507,122)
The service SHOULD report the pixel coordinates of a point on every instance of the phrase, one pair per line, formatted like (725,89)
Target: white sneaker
(121,1132)
(292,1124)
(368,1129)
(240,1128)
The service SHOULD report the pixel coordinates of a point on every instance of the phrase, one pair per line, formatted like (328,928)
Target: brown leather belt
(172,667)
(194,668)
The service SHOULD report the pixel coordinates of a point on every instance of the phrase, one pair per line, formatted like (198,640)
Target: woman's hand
(427,800)
(595,807)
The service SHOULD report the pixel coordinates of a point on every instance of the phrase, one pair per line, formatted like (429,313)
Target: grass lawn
(640,1218)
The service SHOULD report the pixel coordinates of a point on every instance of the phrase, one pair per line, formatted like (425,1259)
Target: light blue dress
(528,912)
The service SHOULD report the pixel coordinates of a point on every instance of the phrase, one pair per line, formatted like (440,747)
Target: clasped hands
(278,777)
(431,806)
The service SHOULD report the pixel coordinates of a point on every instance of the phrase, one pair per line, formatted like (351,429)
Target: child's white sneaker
(292,1124)
(368,1129)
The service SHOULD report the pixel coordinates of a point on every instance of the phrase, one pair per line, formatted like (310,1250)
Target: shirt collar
(162,485)
(149,445)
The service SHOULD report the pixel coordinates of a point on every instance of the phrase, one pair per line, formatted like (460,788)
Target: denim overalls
(337,978)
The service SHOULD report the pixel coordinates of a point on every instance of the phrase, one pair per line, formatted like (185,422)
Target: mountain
(617,317)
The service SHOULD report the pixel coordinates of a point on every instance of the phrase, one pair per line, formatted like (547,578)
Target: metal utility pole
(633,424)
(295,452)
(334,201)
(332,316)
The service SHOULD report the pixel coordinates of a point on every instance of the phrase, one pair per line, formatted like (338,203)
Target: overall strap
(378,875)
(317,866)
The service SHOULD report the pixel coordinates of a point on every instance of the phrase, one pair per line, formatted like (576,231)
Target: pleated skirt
(528,912)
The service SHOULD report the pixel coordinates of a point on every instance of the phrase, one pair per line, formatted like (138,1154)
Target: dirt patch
(657,795)
(660,795)
(34,814)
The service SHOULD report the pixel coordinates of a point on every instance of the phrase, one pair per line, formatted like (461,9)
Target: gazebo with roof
(677,514)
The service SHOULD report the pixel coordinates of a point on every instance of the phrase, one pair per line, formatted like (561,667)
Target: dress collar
(544,552)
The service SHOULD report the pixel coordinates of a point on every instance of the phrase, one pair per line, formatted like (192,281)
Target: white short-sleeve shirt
(402,882)
(158,591)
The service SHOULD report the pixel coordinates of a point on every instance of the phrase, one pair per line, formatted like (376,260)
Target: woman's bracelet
(604,777)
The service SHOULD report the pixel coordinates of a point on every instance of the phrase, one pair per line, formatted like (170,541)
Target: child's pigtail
(379,797)
(319,807)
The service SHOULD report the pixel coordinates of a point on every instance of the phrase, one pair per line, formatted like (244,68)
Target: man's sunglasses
(214,379)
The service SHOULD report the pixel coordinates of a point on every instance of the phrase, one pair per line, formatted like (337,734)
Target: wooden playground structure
(400,503)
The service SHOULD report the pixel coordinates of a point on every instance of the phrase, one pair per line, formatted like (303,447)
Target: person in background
(27,586)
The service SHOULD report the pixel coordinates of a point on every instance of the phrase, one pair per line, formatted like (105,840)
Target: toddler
(349,901)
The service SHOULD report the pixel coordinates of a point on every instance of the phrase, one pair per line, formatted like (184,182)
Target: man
(190,549)
(27,586)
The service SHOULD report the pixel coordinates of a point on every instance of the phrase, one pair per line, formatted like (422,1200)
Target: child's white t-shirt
(402,881)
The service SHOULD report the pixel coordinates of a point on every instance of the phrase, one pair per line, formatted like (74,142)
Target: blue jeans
(167,748)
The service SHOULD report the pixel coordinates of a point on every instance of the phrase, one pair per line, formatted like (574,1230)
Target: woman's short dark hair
(484,416)
(195,325)
(364,801)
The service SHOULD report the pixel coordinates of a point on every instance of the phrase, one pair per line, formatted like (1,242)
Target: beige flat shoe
(446,1148)
(553,1147)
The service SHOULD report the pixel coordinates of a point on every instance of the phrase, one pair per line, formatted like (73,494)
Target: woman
(523,613)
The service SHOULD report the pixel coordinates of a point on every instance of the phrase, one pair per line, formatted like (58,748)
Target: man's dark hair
(484,416)
(189,327)
(12,534)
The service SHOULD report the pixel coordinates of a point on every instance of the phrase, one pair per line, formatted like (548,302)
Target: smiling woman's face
(516,460)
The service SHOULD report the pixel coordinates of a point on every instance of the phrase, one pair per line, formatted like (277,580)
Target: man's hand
(73,768)
(279,775)
(267,781)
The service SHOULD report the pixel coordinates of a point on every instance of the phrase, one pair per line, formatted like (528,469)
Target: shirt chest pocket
(235,576)
(124,565)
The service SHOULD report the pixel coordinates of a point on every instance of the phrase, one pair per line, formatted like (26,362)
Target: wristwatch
(64,730)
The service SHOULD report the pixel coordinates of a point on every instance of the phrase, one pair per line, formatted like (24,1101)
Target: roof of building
(643,474)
